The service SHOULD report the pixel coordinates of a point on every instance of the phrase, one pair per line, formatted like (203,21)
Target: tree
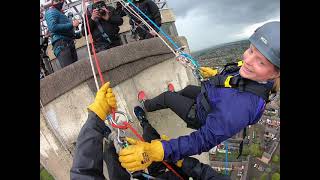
(245,151)
(275,176)
(44,175)
(255,150)
(275,159)
(264,176)
(268,169)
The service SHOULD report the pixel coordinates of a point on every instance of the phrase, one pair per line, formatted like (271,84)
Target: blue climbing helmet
(267,40)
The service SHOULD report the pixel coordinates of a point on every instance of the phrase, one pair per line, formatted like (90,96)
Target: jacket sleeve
(227,119)
(197,142)
(52,19)
(194,168)
(115,19)
(155,13)
(88,157)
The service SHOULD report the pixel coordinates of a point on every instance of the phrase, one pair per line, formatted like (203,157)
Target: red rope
(126,125)
(93,49)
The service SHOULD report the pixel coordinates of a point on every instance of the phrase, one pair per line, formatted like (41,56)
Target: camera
(99,5)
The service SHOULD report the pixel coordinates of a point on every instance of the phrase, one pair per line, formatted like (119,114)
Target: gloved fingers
(104,88)
(127,158)
(165,137)
(127,151)
(130,165)
(110,95)
(214,71)
(205,69)
(131,141)
(109,90)
(204,74)
(112,103)
(179,163)
(138,168)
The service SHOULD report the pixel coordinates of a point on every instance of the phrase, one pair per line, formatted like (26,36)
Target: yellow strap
(227,82)
(240,63)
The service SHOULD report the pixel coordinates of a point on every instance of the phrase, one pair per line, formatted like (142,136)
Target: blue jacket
(231,112)
(59,25)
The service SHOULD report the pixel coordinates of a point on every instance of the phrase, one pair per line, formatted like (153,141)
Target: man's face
(256,67)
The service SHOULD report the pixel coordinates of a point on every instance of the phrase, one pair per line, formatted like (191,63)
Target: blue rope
(189,57)
(226,162)
(194,62)
(163,33)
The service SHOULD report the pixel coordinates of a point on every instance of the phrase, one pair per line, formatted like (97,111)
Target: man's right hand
(95,14)
(75,23)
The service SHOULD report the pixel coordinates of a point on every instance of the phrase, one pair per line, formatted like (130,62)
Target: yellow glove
(179,163)
(207,72)
(139,155)
(104,101)
(165,137)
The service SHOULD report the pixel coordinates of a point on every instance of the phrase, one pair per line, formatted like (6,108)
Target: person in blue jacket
(62,33)
(224,104)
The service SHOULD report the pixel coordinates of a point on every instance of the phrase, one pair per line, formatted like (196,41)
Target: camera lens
(102,12)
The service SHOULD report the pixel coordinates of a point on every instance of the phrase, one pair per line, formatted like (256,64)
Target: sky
(206,23)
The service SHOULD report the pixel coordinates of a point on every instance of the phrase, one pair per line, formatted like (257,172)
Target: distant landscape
(221,54)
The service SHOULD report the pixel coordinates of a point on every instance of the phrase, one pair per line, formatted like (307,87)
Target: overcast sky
(206,23)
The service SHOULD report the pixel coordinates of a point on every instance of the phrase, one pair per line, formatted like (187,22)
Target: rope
(177,51)
(135,14)
(155,25)
(90,58)
(226,159)
(94,50)
(113,111)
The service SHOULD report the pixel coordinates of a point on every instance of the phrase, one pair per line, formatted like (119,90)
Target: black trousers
(181,102)
(68,54)
(143,32)
(117,172)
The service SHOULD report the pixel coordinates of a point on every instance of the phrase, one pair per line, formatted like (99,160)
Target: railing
(162,4)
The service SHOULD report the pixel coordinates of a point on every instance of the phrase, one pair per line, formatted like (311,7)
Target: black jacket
(150,9)
(110,27)
(89,156)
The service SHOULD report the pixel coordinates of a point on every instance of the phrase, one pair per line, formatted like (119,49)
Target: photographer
(62,33)
(150,9)
(104,26)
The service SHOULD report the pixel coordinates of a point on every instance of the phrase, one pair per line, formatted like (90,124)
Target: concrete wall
(144,65)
